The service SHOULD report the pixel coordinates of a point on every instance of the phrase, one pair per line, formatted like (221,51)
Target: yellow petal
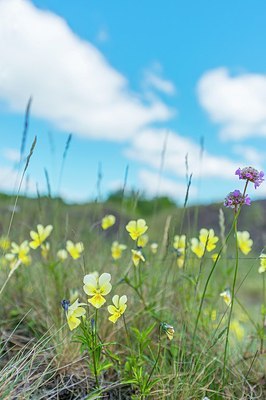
(114,318)
(97,300)
(112,309)
(73,322)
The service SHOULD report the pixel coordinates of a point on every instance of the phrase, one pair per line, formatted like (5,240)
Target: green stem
(200,268)
(157,358)
(263,313)
(94,333)
(237,212)
(9,275)
(232,304)
(127,333)
(208,280)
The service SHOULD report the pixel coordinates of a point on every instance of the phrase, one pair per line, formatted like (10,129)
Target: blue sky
(126,79)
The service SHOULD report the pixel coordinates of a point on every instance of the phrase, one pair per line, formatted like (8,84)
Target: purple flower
(251,174)
(236,199)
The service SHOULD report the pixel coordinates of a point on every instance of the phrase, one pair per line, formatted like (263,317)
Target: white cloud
(71,82)
(237,103)
(11,154)
(147,148)
(250,154)
(157,82)
(153,185)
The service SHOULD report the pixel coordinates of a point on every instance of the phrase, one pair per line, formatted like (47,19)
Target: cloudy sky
(141,85)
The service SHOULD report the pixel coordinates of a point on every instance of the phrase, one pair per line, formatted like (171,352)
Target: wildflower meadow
(101,302)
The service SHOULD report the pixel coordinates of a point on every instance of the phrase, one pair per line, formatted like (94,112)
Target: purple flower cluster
(236,199)
(251,174)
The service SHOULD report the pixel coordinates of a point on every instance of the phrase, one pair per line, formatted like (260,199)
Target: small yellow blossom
(180,258)
(237,329)
(74,250)
(4,243)
(215,256)
(179,242)
(108,221)
(118,308)
(62,254)
(213,315)
(117,250)
(73,313)
(226,295)
(244,242)
(97,287)
(180,247)
(142,240)
(137,256)
(197,247)
(262,267)
(136,228)
(154,248)
(19,252)
(208,239)
(45,249)
(168,330)
(40,236)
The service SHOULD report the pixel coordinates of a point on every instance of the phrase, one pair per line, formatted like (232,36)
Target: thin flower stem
(200,268)
(237,212)
(263,313)
(232,304)
(208,280)
(94,333)
(9,275)
(157,358)
(126,329)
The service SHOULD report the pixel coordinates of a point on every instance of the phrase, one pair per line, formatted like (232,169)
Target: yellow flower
(179,242)
(180,258)
(208,239)
(73,313)
(237,329)
(19,252)
(244,242)
(215,256)
(117,250)
(154,248)
(45,248)
(168,330)
(108,221)
(213,315)
(197,247)
(142,240)
(62,254)
(226,295)
(40,236)
(97,287)
(180,247)
(74,250)
(136,257)
(4,243)
(118,308)
(262,267)
(136,228)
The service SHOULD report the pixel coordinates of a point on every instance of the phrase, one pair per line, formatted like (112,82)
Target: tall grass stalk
(232,302)
(20,183)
